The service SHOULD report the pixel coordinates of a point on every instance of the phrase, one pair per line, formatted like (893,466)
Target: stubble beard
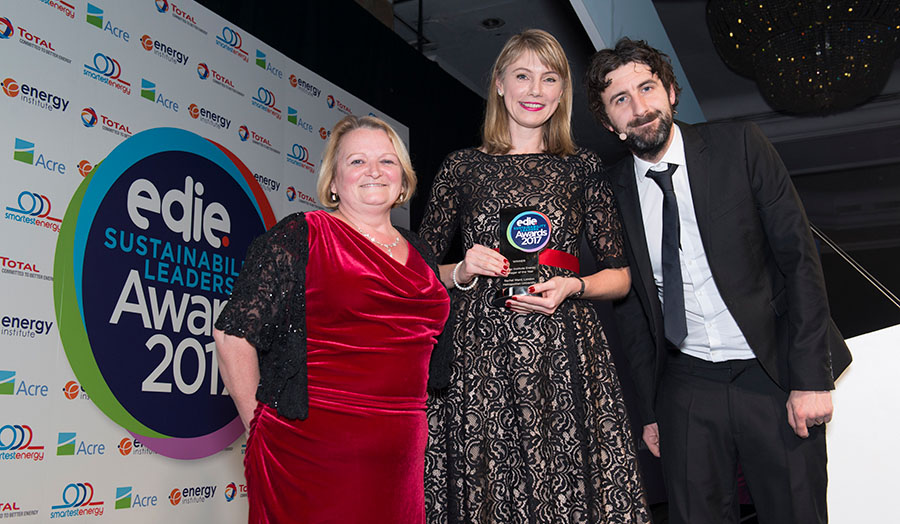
(648,143)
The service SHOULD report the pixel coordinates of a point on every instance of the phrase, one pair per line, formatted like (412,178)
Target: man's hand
(806,409)
(651,438)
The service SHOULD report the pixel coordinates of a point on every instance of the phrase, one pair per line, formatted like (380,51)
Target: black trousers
(714,416)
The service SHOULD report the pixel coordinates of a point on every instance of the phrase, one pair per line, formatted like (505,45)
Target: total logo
(163,50)
(233,491)
(24,152)
(292,194)
(265,100)
(294,118)
(65,8)
(257,139)
(163,6)
(33,209)
(30,39)
(34,96)
(299,156)
(132,446)
(263,63)
(72,390)
(192,495)
(148,91)
(89,119)
(335,103)
(24,327)
(208,117)
(8,386)
(17,443)
(68,445)
(127,498)
(77,501)
(304,86)
(231,41)
(11,266)
(107,70)
(204,72)
(95,18)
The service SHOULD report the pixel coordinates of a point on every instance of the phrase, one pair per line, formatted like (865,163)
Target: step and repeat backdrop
(144,145)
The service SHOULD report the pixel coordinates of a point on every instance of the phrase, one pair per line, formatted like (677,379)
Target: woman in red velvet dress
(326,341)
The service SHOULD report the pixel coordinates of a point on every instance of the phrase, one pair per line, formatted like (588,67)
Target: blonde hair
(558,129)
(329,160)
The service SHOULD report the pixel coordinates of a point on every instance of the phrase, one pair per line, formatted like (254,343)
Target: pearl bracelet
(456,283)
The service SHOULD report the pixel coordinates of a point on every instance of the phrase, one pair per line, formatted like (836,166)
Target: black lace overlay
(532,428)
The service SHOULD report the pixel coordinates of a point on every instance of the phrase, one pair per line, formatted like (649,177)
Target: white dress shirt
(712,333)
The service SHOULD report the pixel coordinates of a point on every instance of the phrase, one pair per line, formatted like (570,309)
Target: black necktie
(673,287)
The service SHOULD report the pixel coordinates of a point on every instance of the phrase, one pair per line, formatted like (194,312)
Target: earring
(400,197)
(334,197)
(500,93)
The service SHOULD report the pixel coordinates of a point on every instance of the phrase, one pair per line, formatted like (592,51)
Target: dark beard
(648,144)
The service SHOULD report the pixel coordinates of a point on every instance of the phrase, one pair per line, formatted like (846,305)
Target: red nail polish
(514,297)
(531,289)
(508,305)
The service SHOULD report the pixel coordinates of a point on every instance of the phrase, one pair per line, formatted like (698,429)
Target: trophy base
(503,294)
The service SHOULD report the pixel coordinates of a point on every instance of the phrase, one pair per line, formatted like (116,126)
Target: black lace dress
(532,428)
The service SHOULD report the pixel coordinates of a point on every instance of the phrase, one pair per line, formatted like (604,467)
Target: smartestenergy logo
(163,50)
(231,41)
(33,209)
(64,8)
(204,72)
(299,156)
(265,64)
(24,151)
(148,91)
(294,118)
(107,70)
(30,39)
(209,117)
(108,124)
(147,256)
(17,443)
(265,100)
(77,501)
(95,18)
(304,86)
(34,96)
(179,14)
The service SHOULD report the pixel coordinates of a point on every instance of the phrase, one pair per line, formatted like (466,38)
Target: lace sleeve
(602,226)
(441,217)
(263,288)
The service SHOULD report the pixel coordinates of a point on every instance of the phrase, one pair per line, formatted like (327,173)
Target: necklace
(387,247)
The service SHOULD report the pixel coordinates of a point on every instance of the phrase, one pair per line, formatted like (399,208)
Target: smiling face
(530,91)
(368,176)
(640,106)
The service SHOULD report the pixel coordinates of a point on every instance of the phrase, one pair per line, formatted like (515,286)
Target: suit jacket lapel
(699,173)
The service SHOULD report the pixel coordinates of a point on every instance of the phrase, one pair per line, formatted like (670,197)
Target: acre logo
(33,209)
(24,151)
(163,50)
(8,386)
(127,498)
(95,18)
(299,156)
(69,445)
(148,91)
(17,443)
(107,70)
(294,118)
(265,100)
(148,254)
(77,501)
(263,63)
(231,40)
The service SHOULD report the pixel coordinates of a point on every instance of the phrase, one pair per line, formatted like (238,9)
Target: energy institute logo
(10,87)
(153,240)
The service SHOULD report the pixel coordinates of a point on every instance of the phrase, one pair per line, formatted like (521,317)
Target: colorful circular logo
(529,231)
(290,193)
(70,390)
(230,492)
(323,133)
(125,446)
(150,247)
(194,111)
(175,496)
(147,42)
(162,6)
(85,168)
(88,117)
(202,71)
(330,101)
(6,28)
(10,87)
(243,133)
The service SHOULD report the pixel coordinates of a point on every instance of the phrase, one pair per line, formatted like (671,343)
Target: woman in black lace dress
(532,428)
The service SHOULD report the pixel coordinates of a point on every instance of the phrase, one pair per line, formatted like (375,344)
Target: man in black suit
(727,325)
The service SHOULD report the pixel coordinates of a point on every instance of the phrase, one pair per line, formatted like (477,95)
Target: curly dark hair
(626,51)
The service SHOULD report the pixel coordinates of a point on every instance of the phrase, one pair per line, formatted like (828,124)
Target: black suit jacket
(761,254)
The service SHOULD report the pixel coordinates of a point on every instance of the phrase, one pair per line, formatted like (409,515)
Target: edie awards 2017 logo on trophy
(149,249)
(524,232)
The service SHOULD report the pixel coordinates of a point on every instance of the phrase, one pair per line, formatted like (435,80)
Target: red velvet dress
(359,456)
